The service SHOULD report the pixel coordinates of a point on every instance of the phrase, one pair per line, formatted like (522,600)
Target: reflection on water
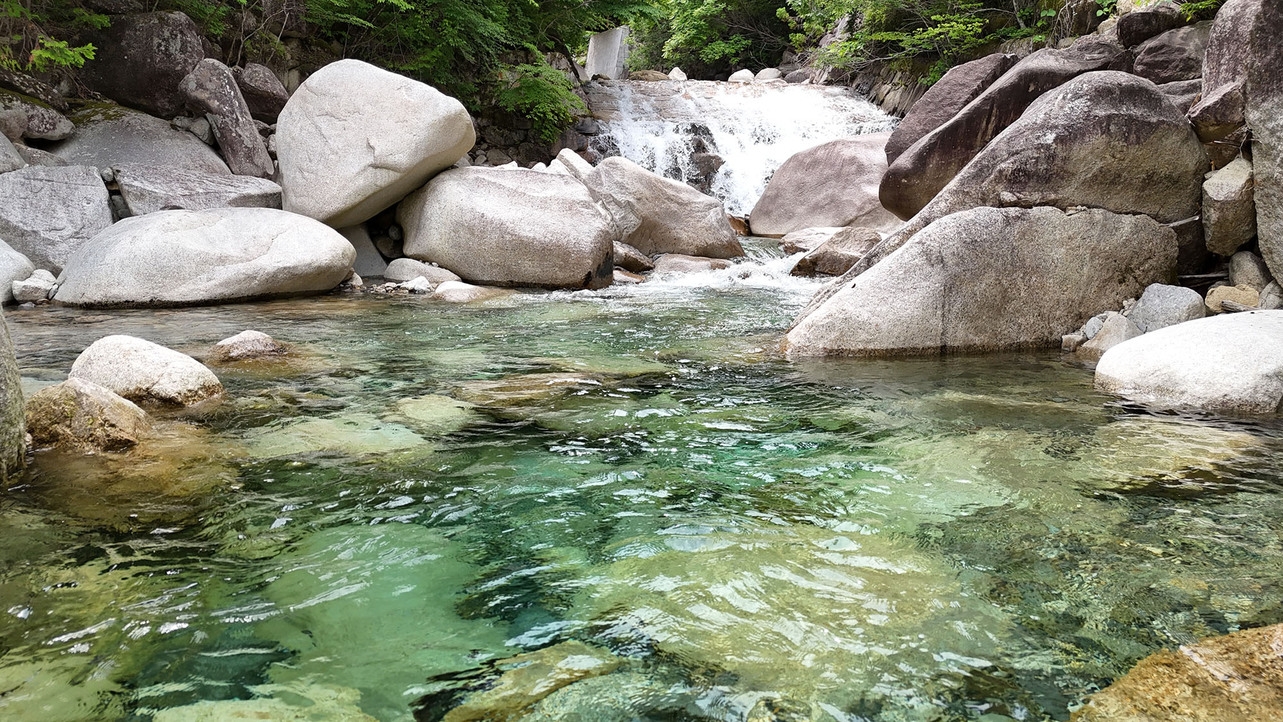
(632,486)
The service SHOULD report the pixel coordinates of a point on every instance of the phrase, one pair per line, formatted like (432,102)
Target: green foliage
(50,54)
(1200,9)
(542,94)
(1105,8)
(708,37)
(26,45)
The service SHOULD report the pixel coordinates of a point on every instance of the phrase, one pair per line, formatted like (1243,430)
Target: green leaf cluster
(27,45)
(711,37)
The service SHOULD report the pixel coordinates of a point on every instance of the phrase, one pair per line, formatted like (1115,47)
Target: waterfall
(724,138)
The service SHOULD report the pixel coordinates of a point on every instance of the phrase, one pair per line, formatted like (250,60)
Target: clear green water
(967,538)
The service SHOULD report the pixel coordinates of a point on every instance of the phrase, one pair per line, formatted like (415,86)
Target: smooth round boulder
(510,227)
(245,346)
(354,139)
(145,372)
(188,258)
(1230,364)
(831,185)
(84,415)
(990,279)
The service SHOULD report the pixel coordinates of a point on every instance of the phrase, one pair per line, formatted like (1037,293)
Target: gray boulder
(1103,140)
(211,89)
(1248,269)
(148,188)
(181,258)
(10,159)
(1173,56)
(1246,47)
(1230,364)
(988,279)
(13,267)
(1220,112)
(42,121)
(1229,209)
(35,156)
(1183,93)
(13,427)
(835,256)
(145,372)
(927,166)
(355,139)
(807,239)
(834,184)
(83,415)
(1116,329)
(1271,297)
(35,288)
(262,90)
(682,263)
(49,213)
(246,346)
(407,269)
(140,59)
(631,259)
(660,215)
(1136,27)
(510,228)
(945,98)
(1161,306)
(369,262)
(111,136)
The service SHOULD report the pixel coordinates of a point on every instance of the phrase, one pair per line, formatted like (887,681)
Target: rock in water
(927,166)
(355,139)
(988,279)
(945,98)
(144,372)
(661,215)
(211,89)
(140,59)
(84,415)
(13,431)
(13,267)
(405,269)
(246,345)
(510,227)
(1231,363)
(180,258)
(532,676)
(48,214)
(632,260)
(263,91)
(110,136)
(681,263)
(834,184)
(1103,140)
(836,255)
(1235,677)
(150,188)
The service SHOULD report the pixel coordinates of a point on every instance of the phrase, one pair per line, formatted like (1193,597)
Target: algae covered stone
(83,414)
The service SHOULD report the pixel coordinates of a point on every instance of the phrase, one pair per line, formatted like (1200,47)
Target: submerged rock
(176,258)
(246,345)
(1224,364)
(834,184)
(351,434)
(510,228)
(143,372)
(1235,677)
(354,139)
(436,414)
(278,703)
(84,415)
(988,279)
(528,678)
(525,389)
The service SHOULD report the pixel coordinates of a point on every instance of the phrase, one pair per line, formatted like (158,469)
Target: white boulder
(145,372)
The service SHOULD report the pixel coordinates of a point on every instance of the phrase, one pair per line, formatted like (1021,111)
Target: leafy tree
(27,45)
(711,37)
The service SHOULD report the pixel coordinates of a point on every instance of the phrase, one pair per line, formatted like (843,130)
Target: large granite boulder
(660,215)
(109,135)
(1231,363)
(1235,677)
(262,90)
(1246,47)
(510,227)
(834,184)
(47,214)
(927,166)
(1105,140)
(1173,56)
(355,139)
(149,188)
(13,428)
(140,59)
(211,89)
(81,414)
(946,98)
(145,372)
(13,267)
(183,258)
(988,279)
(42,121)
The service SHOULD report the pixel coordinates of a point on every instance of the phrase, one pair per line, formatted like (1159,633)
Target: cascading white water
(681,129)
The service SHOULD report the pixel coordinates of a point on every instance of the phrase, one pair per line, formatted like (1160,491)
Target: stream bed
(425,490)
